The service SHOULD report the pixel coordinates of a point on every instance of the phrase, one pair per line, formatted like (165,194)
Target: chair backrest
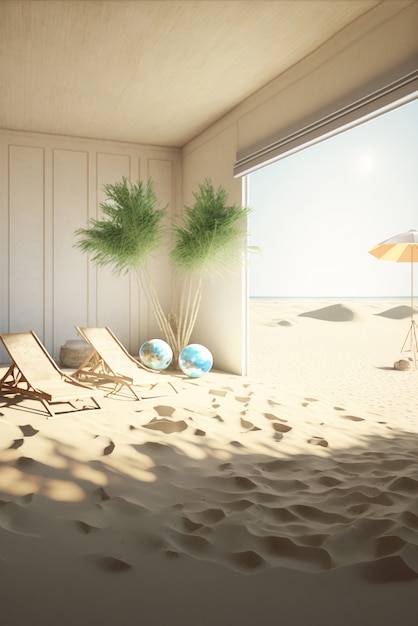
(108,347)
(30,357)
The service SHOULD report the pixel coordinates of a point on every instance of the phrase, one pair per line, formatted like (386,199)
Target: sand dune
(289,496)
(331,313)
(398,312)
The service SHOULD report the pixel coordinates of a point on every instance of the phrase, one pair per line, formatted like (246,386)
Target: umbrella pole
(412,333)
(412,287)
(413,341)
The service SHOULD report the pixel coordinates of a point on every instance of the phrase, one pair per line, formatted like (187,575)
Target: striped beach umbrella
(402,248)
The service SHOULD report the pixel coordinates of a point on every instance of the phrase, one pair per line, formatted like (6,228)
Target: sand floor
(289,496)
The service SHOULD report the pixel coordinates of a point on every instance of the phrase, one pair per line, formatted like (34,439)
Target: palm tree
(207,240)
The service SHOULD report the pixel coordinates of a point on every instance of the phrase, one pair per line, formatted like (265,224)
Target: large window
(318,211)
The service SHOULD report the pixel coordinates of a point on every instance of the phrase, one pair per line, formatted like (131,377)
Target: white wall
(50,186)
(221,325)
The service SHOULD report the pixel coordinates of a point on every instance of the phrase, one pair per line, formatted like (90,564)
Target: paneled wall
(49,187)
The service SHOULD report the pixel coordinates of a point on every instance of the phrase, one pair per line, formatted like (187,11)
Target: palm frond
(130,231)
(209,238)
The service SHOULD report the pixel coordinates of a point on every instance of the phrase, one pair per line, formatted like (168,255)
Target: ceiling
(150,72)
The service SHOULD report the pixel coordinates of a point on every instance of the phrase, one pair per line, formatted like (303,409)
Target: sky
(316,213)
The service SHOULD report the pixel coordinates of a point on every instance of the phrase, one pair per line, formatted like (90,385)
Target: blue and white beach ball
(156,354)
(195,360)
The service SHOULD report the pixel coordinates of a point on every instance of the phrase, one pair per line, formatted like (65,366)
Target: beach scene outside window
(316,292)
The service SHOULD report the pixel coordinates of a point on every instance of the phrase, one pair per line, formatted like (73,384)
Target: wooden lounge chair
(111,363)
(34,373)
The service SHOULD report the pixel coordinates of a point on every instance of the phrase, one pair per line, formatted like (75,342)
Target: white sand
(287,497)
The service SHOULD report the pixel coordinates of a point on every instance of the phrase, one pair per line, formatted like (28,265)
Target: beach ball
(195,360)
(156,354)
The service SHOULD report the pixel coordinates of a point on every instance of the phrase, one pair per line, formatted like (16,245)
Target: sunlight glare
(365,163)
